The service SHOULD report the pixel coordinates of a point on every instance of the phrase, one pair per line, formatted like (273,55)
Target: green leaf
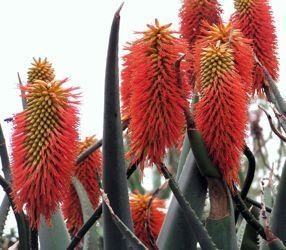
(186,144)
(134,183)
(175,227)
(20,217)
(240,233)
(219,231)
(114,177)
(205,164)
(250,172)
(56,236)
(200,232)
(275,97)
(250,239)
(5,205)
(4,157)
(278,215)
(222,230)
(4,210)
(268,199)
(183,157)
(157,182)
(84,229)
(90,239)
(276,244)
(133,241)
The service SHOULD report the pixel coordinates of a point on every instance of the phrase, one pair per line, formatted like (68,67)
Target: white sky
(73,35)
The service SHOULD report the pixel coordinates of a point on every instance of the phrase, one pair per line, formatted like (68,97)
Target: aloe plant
(224,68)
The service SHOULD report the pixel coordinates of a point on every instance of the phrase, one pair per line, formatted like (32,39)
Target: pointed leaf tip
(117,13)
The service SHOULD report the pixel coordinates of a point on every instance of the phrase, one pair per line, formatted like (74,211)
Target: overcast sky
(73,35)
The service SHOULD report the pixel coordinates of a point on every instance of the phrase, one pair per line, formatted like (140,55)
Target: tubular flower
(86,174)
(43,144)
(255,20)
(193,13)
(241,47)
(221,113)
(147,218)
(156,102)
(41,70)
(126,76)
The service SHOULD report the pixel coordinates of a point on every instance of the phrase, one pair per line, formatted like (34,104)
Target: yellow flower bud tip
(86,143)
(41,70)
(156,33)
(242,5)
(214,61)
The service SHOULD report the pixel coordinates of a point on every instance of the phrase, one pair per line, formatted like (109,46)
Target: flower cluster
(44,143)
(192,15)
(147,218)
(151,96)
(241,47)
(220,114)
(254,19)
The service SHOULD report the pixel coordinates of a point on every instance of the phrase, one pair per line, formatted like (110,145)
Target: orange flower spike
(138,205)
(41,70)
(157,102)
(193,13)
(221,113)
(241,46)
(43,148)
(86,174)
(255,19)
(127,76)
(72,211)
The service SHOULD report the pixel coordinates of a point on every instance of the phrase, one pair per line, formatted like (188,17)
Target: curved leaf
(133,241)
(200,231)
(114,178)
(278,215)
(56,236)
(90,239)
(175,227)
(240,233)
(4,210)
(183,157)
(206,166)
(276,244)
(250,238)
(4,157)
(221,229)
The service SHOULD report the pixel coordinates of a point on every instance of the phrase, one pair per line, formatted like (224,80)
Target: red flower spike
(156,102)
(221,113)
(241,46)
(193,13)
(254,18)
(139,205)
(43,144)
(86,174)
(126,76)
